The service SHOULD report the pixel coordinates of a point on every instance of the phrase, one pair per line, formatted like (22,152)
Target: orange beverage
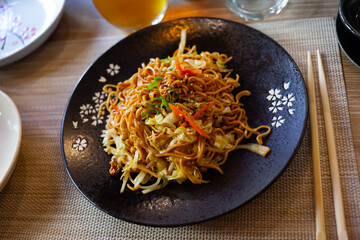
(131,14)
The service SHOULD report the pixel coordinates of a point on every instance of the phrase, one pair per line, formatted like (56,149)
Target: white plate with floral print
(25,25)
(10,137)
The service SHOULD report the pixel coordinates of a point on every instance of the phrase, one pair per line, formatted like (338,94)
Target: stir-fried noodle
(176,118)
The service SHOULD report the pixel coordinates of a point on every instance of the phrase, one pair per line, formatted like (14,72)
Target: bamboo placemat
(40,201)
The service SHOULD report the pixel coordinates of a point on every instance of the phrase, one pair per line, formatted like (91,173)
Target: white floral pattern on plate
(89,114)
(279,103)
(89,111)
(113,69)
(80,144)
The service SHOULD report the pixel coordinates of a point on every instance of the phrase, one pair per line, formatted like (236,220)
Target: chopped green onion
(166,59)
(220,66)
(154,84)
(152,111)
(164,103)
(218,63)
(172,68)
(176,95)
(150,102)
(118,152)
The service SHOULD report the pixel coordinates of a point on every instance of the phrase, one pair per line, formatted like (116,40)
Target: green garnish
(219,63)
(164,103)
(223,66)
(154,84)
(176,94)
(166,59)
(220,66)
(150,102)
(152,111)
(118,152)
(170,69)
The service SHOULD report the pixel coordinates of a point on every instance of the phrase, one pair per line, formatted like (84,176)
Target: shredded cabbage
(256,148)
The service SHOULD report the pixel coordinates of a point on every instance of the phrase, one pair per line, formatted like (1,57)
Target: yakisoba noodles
(176,118)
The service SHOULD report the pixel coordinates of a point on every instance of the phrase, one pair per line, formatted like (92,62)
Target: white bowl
(25,25)
(10,137)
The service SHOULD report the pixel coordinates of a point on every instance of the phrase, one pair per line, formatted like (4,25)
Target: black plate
(279,98)
(348,42)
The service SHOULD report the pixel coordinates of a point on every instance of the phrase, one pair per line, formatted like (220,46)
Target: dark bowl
(349,43)
(349,11)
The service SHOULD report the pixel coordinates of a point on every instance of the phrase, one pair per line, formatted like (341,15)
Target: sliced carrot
(201,110)
(177,64)
(181,114)
(116,108)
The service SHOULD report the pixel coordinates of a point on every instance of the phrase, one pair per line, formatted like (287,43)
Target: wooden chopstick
(319,206)
(334,169)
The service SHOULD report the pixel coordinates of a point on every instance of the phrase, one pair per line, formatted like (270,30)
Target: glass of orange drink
(131,15)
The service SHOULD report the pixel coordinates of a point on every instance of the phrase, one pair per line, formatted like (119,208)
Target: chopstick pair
(334,170)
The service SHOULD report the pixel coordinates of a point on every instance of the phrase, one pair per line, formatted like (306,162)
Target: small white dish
(25,25)
(10,137)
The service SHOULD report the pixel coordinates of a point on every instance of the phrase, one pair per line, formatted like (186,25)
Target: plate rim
(8,173)
(293,154)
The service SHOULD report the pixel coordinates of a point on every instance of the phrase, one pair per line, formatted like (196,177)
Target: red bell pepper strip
(192,71)
(183,71)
